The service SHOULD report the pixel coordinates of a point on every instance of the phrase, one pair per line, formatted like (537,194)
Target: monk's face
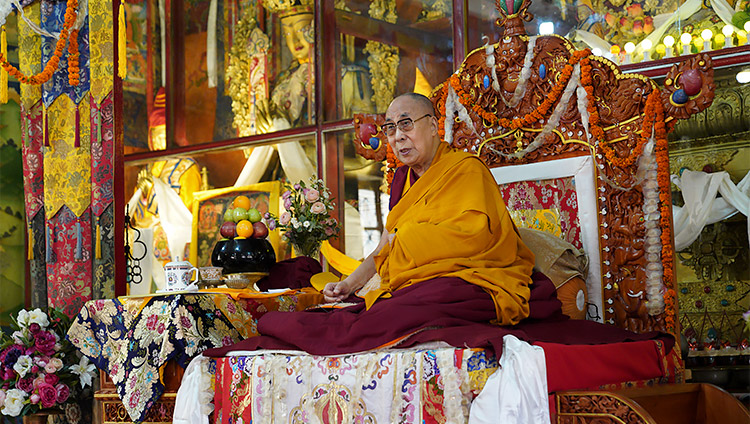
(415,146)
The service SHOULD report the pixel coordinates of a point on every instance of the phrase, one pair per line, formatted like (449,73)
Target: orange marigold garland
(665,202)
(653,103)
(71,13)
(73,69)
(533,116)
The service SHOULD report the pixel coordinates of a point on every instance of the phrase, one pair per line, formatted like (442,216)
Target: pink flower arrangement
(306,221)
(38,367)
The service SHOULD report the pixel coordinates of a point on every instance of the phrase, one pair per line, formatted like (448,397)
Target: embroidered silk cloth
(547,205)
(33,159)
(67,167)
(398,386)
(428,384)
(52,18)
(133,338)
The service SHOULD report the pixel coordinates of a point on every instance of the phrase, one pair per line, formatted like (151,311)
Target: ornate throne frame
(526,104)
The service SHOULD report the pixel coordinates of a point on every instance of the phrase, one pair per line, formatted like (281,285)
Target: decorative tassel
(45,130)
(48,248)
(30,255)
(98,245)
(98,123)
(122,69)
(79,242)
(77,142)
(3,72)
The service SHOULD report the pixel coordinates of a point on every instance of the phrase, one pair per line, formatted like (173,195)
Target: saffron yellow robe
(452,222)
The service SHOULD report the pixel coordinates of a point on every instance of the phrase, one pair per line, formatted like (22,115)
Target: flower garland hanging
(667,253)
(71,13)
(74,72)
(587,81)
(653,102)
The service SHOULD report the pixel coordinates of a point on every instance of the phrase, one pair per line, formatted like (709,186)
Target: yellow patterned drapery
(67,168)
(101,48)
(30,55)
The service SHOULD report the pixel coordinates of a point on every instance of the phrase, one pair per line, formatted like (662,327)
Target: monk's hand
(336,291)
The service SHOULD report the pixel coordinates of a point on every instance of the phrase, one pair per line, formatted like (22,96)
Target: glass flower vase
(310,248)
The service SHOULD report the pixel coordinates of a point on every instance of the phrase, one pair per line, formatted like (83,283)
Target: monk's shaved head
(424,104)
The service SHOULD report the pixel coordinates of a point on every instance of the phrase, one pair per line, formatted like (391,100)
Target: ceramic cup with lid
(179,274)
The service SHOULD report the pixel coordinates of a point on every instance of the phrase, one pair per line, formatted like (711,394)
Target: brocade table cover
(132,338)
(394,386)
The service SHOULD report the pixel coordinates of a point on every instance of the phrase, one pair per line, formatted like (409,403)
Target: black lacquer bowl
(244,255)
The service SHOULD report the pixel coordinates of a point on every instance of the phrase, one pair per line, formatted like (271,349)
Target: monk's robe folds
(453,223)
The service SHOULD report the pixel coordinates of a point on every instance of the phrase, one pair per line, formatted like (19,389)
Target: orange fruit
(242,202)
(245,228)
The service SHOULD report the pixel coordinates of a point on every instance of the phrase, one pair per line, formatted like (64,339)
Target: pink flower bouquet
(38,367)
(307,220)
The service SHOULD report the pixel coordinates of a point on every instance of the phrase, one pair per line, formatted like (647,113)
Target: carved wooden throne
(534,108)
(527,103)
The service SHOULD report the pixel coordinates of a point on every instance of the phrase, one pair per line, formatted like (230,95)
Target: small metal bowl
(237,283)
(242,280)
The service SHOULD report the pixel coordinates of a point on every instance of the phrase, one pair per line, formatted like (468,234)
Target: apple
(253,215)
(228,216)
(239,214)
(228,229)
(260,230)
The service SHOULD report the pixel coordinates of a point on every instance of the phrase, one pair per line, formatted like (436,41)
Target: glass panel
(385,48)
(247,70)
(137,86)
(288,160)
(609,26)
(360,184)
(712,273)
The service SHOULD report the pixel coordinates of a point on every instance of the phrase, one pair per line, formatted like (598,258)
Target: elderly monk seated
(450,255)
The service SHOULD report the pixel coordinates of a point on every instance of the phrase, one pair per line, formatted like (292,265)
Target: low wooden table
(141,344)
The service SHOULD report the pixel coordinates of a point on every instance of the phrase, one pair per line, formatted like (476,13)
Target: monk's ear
(435,124)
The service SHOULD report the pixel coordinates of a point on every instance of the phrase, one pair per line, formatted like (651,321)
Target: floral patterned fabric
(37,265)
(547,205)
(67,168)
(101,39)
(104,266)
(53,16)
(133,338)
(102,154)
(30,56)
(404,386)
(69,280)
(33,160)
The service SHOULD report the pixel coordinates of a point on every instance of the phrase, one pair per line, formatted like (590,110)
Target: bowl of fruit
(245,247)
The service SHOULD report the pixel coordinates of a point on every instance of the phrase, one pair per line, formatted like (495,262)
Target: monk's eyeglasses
(406,124)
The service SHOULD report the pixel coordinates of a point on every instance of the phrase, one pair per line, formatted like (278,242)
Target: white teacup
(179,275)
